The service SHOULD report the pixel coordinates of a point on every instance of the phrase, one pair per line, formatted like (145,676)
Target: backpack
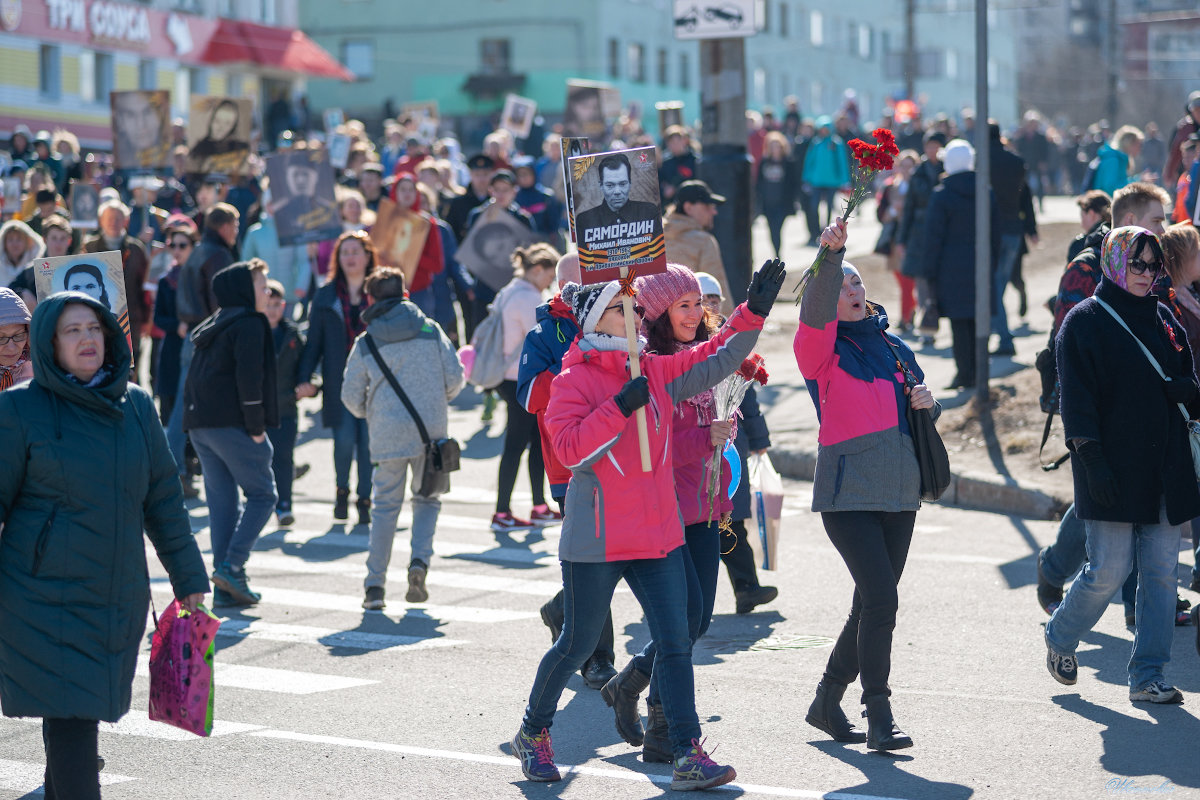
(487,371)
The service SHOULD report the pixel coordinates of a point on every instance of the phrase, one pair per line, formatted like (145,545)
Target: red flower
(887,141)
(752,369)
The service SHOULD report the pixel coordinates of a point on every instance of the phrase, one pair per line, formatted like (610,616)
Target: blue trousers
(231,461)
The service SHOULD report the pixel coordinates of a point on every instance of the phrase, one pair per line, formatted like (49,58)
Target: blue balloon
(735,467)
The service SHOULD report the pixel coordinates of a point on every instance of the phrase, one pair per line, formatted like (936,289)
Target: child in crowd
(288,340)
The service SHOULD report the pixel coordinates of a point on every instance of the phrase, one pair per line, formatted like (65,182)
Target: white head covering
(958,156)
(709,284)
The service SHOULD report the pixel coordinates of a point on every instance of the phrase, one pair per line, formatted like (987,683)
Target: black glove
(765,286)
(1102,484)
(1180,390)
(633,395)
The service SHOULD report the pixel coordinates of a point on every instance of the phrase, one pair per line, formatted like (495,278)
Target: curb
(981,493)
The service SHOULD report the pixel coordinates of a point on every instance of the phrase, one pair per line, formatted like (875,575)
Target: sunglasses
(1139,267)
(16,338)
(179,245)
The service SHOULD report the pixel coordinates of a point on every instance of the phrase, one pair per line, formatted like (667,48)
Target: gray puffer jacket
(424,363)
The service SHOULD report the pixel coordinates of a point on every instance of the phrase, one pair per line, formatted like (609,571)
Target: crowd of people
(229,329)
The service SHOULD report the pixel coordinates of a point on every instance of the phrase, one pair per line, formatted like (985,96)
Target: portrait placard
(618,220)
(99,275)
(333,118)
(339,150)
(12,195)
(669,113)
(85,200)
(571,146)
(302,196)
(141,127)
(489,244)
(518,114)
(584,114)
(425,114)
(219,135)
(399,235)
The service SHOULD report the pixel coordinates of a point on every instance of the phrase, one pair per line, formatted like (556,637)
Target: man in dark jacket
(230,400)
(481,168)
(1015,220)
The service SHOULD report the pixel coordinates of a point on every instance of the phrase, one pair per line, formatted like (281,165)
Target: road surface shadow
(886,778)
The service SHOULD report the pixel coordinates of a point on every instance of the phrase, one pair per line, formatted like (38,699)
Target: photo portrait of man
(85,201)
(584,115)
(616,181)
(303,201)
(141,129)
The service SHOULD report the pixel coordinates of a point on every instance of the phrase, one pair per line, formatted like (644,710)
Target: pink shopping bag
(181,669)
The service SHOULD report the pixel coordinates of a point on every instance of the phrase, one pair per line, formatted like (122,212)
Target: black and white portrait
(302,196)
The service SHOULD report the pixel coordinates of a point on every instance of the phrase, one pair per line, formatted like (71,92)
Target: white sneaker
(1157,692)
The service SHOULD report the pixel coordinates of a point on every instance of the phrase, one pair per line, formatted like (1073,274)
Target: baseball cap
(696,192)
(480,162)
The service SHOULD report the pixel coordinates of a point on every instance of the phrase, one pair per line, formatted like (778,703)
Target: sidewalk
(978,483)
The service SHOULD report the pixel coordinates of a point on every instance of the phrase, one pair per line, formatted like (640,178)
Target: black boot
(364,510)
(656,745)
(621,694)
(882,733)
(341,505)
(825,714)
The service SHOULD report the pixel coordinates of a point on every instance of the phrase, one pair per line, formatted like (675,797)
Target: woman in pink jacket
(675,321)
(867,484)
(621,522)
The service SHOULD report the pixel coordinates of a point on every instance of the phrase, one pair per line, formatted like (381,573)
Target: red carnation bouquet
(727,396)
(870,160)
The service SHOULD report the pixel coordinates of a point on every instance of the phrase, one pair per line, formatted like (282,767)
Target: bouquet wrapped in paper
(727,396)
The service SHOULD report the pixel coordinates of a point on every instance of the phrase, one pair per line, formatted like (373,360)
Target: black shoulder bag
(932,459)
(441,456)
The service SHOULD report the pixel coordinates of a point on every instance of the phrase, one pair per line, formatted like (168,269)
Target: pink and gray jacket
(865,455)
(615,511)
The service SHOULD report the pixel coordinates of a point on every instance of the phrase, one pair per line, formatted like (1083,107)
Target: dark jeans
(963,344)
(232,460)
(521,434)
(71,759)
(283,443)
(1063,559)
(660,585)
(738,556)
(703,562)
(350,444)
(819,195)
(874,545)
(775,218)
(605,646)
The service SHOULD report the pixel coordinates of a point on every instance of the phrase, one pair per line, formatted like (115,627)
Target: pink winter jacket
(615,511)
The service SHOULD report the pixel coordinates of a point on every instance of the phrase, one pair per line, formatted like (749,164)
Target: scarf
(353,328)
(705,402)
(607,342)
(102,375)
(7,374)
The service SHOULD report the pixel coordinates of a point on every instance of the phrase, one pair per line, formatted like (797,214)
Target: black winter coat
(195,299)
(83,471)
(950,246)
(288,342)
(232,381)
(911,233)
(1111,394)
(327,347)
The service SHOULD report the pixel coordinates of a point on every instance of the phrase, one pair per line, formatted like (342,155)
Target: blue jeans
(1111,547)
(283,445)
(702,558)
(1006,262)
(660,585)
(351,443)
(1195,524)
(176,438)
(1068,554)
(231,459)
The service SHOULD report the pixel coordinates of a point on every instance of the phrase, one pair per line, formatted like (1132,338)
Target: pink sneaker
(544,515)
(507,522)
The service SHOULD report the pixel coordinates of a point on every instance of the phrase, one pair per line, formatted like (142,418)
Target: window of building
(762,14)
(852,38)
(759,91)
(198,81)
(358,56)
(816,29)
(147,74)
(103,74)
(270,12)
(951,63)
(818,98)
(87,77)
(637,62)
(685,71)
(234,86)
(663,66)
(783,20)
(181,97)
(50,71)
(864,42)
(614,58)
(495,57)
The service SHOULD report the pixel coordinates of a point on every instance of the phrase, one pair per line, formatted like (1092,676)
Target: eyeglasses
(16,338)
(179,245)
(1139,267)
(620,309)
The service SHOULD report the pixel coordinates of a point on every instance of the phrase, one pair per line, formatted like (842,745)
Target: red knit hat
(656,293)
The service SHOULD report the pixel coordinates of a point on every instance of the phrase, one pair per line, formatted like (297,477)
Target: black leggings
(521,435)
(72,771)
(963,344)
(874,545)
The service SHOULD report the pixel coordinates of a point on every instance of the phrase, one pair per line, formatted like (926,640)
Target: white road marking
(575,769)
(329,637)
(267,679)
(359,542)
(26,777)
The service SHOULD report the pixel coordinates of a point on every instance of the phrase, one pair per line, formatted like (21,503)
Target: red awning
(283,49)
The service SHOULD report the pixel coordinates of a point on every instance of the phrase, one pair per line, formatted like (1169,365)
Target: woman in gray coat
(84,470)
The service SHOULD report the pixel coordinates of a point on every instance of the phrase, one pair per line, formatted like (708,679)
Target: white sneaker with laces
(1157,692)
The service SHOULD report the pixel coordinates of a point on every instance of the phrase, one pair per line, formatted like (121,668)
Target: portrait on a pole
(98,275)
(85,202)
(584,113)
(399,235)
(141,127)
(487,250)
(302,196)
(618,220)
(571,146)
(518,114)
(219,135)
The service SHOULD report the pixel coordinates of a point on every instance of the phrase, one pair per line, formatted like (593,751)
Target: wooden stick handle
(635,371)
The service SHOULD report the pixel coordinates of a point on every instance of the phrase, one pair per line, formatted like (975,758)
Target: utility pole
(910,49)
(1112,105)
(983,209)
(725,165)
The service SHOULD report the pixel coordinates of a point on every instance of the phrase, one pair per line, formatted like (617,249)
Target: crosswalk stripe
(359,542)
(267,679)
(138,723)
(328,637)
(26,776)
(336,602)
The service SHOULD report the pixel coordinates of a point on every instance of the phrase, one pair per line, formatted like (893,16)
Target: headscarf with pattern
(1122,244)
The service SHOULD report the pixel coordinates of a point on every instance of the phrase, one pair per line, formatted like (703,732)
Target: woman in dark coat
(778,185)
(1135,485)
(84,470)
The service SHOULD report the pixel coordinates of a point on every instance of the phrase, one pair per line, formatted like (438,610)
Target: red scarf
(7,373)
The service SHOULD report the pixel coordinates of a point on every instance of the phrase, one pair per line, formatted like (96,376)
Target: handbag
(181,668)
(932,459)
(1193,428)
(442,456)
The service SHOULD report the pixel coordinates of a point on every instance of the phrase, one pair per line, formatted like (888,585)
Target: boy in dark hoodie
(230,400)
(288,341)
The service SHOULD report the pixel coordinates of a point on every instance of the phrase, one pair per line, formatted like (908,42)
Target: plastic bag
(181,669)
(766,506)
